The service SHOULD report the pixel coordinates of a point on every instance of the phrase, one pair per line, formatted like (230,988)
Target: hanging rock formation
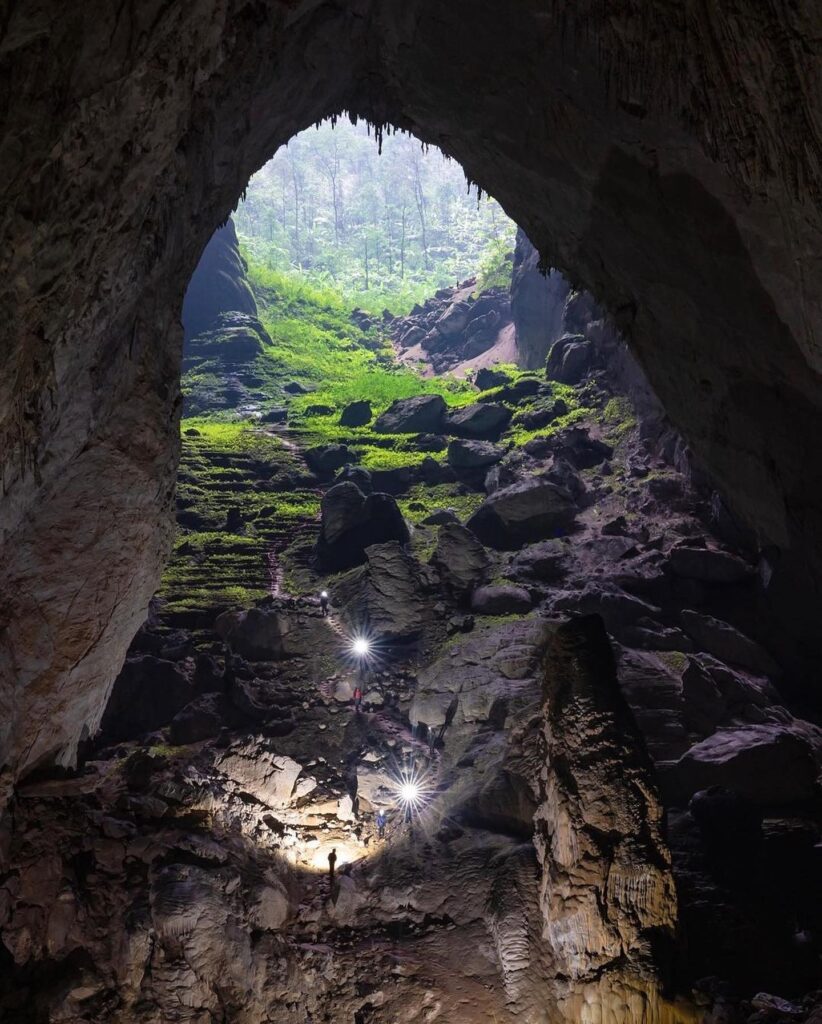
(537,304)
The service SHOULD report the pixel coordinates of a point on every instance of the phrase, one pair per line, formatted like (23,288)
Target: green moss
(619,417)
(675,660)
(165,750)
(520,435)
(436,498)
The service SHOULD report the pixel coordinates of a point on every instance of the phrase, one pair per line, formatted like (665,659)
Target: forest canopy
(385,229)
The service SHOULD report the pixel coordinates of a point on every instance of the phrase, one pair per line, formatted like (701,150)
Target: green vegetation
(386,229)
(318,344)
(421,501)
(248,506)
(225,466)
(675,660)
(496,265)
(619,417)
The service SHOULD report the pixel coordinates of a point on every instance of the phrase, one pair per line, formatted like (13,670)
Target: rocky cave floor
(182,873)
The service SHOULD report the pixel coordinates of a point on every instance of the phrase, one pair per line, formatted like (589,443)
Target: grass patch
(619,417)
(521,435)
(434,499)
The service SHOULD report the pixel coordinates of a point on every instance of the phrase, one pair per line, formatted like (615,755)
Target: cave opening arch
(617,165)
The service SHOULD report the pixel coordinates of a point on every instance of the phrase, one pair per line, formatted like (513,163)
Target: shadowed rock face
(687,205)
(537,303)
(218,284)
(607,887)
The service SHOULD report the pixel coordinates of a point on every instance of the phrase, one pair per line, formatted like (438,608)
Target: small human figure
(381,824)
(324,603)
(357,699)
(332,860)
(450,712)
(408,812)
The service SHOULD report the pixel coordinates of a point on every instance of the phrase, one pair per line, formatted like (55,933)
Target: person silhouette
(324,603)
(332,860)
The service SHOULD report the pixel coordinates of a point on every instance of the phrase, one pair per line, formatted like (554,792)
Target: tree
(397,226)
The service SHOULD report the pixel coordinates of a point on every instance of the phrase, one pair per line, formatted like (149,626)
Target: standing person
(357,698)
(324,603)
(381,824)
(332,860)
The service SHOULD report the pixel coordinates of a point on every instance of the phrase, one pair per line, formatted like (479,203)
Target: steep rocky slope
(618,814)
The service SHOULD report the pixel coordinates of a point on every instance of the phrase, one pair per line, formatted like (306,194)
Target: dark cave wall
(665,156)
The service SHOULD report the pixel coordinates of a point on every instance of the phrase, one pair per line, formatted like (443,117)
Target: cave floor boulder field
(531,763)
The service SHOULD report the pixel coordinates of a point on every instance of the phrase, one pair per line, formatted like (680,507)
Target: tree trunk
(366,263)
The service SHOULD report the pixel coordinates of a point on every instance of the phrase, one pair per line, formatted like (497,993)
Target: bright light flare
(361,646)
(411,790)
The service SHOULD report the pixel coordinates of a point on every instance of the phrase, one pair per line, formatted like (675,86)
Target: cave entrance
(366,316)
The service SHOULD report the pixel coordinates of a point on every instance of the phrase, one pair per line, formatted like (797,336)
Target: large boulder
(769,764)
(727,643)
(386,597)
(487,378)
(570,359)
(576,446)
(351,522)
(523,512)
(257,769)
(420,414)
(454,320)
(396,480)
(478,674)
(202,719)
(326,459)
(500,599)
(146,695)
(260,634)
(541,414)
(616,608)
(525,387)
(356,414)
(543,561)
(358,475)
(465,454)
(462,561)
(483,420)
(708,565)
